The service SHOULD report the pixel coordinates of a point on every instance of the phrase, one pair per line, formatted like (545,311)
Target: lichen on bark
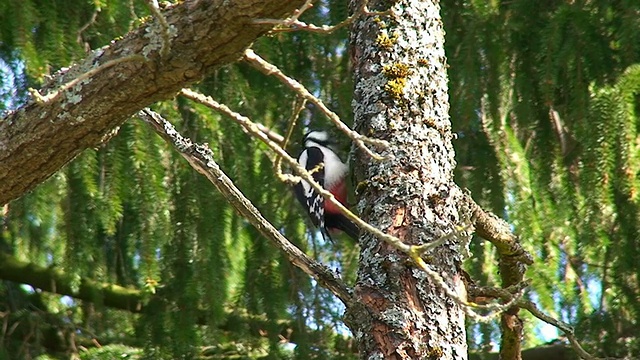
(411,194)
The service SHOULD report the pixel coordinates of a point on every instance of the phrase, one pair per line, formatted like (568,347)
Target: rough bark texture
(401,96)
(513,260)
(39,138)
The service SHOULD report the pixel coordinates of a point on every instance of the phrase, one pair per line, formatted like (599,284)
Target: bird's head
(318,137)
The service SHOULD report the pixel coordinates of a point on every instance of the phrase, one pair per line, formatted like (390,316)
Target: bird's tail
(341,222)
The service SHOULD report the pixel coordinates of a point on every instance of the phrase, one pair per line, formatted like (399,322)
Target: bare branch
(269,69)
(469,308)
(513,259)
(272,134)
(277,164)
(83,28)
(43,99)
(510,293)
(296,14)
(413,251)
(564,327)
(201,159)
(498,232)
(298,25)
(293,24)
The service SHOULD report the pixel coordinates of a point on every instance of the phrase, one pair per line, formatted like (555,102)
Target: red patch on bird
(339,191)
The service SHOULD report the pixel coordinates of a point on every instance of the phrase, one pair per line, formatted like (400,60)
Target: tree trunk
(401,96)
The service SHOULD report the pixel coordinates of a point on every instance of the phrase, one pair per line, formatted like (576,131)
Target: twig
(272,134)
(293,24)
(296,14)
(43,99)
(269,69)
(201,159)
(469,308)
(458,231)
(505,294)
(298,25)
(510,293)
(564,327)
(277,164)
(132,15)
(164,25)
(413,251)
(79,38)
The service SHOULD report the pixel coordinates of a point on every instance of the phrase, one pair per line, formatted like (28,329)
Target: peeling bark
(401,96)
(39,138)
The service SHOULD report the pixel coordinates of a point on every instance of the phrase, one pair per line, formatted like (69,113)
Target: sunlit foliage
(544,97)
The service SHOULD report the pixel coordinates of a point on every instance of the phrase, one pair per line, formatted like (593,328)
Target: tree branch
(56,281)
(513,260)
(497,231)
(267,68)
(42,136)
(201,159)
(510,293)
(564,327)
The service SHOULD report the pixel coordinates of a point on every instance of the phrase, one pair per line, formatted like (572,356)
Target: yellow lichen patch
(396,70)
(435,353)
(362,185)
(395,87)
(383,40)
(397,74)
(430,122)
(143,20)
(380,22)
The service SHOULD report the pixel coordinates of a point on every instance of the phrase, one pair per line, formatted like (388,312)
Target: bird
(332,176)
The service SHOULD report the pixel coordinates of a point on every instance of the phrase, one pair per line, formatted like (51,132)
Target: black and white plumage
(332,176)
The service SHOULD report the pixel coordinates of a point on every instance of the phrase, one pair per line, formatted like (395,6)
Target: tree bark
(401,96)
(129,74)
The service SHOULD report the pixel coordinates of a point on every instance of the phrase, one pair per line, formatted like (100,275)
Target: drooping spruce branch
(82,105)
(54,280)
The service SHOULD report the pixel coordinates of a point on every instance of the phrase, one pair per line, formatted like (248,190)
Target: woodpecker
(318,148)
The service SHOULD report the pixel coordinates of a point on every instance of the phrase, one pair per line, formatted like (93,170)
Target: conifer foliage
(545,98)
